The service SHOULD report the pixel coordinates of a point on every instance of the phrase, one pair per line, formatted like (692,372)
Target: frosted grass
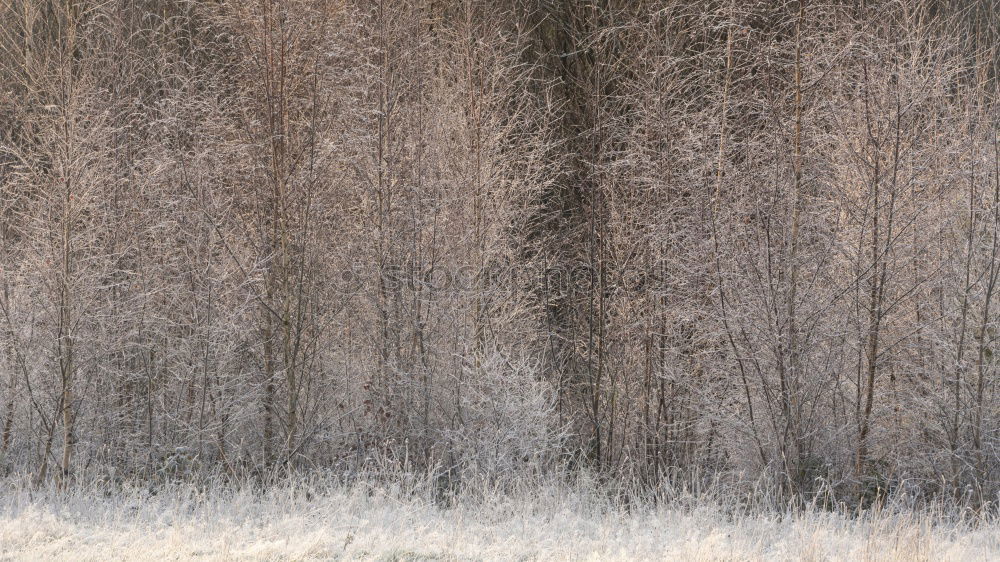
(361,522)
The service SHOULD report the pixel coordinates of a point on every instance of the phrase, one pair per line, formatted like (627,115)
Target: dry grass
(553,522)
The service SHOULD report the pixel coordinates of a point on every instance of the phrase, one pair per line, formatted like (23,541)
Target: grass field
(556,522)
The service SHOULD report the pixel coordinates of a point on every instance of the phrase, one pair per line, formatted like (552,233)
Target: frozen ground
(330,522)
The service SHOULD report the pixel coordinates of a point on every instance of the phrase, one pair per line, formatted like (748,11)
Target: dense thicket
(753,240)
